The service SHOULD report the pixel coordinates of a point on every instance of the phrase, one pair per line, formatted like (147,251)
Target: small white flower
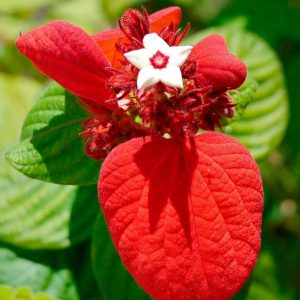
(158,62)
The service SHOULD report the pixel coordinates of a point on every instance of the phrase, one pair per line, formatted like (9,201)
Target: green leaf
(292,69)
(257,12)
(265,284)
(52,149)
(84,273)
(263,123)
(36,214)
(243,97)
(23,292)
(113,279)
(41,272)
(41,215)
(13,109)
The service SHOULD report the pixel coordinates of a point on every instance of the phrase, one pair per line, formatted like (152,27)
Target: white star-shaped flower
(158,62)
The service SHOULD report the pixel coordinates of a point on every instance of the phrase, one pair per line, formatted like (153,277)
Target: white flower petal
(147,77)
(139,58)
(153,42)
(179,54)
(171,76)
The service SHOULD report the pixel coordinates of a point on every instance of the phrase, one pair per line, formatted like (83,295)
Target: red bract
(185,216)
(68,55)
(184,209)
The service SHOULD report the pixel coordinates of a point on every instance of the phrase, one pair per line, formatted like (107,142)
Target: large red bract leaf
(67,54)
(185,217)
(217,68)
(107,39)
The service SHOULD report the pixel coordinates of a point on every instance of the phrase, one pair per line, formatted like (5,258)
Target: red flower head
(183,209)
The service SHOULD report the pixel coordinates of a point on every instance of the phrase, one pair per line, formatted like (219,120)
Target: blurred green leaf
(242,97)
(60,274)
(23,292)
(293,75)
(113,279)
(83,13)
(115,9)
(21,16)
(47,273)
(12,62)
(262,126)
(41,215)
(203,10)
(16,6)
(84,273)
(52,149)
(13,109)
(10,28)
(36,214)
(265,282)
(272,19)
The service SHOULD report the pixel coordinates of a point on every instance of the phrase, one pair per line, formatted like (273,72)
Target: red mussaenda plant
(183,208)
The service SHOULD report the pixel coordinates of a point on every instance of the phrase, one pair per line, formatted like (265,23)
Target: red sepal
(107,40)
(67,54)
(217,68)
(185,217)
(164,17)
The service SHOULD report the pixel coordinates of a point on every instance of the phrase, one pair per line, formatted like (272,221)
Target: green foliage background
(54,243)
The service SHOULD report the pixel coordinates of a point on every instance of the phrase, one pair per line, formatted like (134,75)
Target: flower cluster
(148,84)
(183,209)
